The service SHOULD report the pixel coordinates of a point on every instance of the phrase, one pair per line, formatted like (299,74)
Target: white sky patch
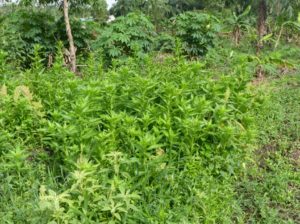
(110,3)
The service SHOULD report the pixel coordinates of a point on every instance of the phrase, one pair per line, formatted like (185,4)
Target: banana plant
(293,24)
(239,22)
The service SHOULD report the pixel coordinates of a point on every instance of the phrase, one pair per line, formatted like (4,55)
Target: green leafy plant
(164,42)
(93,194)
(239,23)
(197,32)
(142,131)
(125,36)
(26,29)
(288,24)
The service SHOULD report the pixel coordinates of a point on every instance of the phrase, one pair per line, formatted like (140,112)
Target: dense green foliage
(22,29)
(124,145)
(127,35)
(177,112)
(140,133)
(27,27)
(197,32)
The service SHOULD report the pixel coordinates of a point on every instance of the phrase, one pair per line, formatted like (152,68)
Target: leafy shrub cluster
(24,28)
(165,43)
(197,32)
(143,142)
(135,34)
(126,35)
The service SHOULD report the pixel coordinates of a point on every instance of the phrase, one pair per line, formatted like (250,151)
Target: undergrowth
(148,142)
(269,192)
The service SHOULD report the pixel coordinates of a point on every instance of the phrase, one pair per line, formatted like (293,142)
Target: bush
(27,27)
(165,43)
(197,32)
(125,36)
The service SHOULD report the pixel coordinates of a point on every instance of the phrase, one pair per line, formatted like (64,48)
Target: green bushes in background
(125,36)
(24,28)
(197,32)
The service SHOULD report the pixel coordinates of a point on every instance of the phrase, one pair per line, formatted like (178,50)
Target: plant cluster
(126,36)
(141,143)
(24,28)
(154,117)
(197,32)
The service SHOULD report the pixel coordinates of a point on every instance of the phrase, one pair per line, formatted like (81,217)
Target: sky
(110,2)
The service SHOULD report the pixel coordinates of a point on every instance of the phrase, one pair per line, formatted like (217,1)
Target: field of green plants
(171,116)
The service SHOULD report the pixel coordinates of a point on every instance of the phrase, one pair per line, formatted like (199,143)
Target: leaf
(117,215)
(3,91)
(267,37)
(246,12)
(22,91)
(227,94)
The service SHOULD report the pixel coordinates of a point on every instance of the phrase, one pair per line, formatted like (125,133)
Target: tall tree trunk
(261,23)
(70,37)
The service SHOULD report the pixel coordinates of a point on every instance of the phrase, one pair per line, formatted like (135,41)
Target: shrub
(26,27)
(165,43)
(197,32)
(125,36)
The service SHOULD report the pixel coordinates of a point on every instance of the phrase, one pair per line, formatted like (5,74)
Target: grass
(270,191)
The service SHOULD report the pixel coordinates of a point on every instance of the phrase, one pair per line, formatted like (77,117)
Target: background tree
(99,10)
(123,7)
(179,6)
(157,10)
(95,9)
(261,22)
(72,49)
(173,7)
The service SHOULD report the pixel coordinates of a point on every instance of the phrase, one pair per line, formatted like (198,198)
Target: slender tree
(70,37)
